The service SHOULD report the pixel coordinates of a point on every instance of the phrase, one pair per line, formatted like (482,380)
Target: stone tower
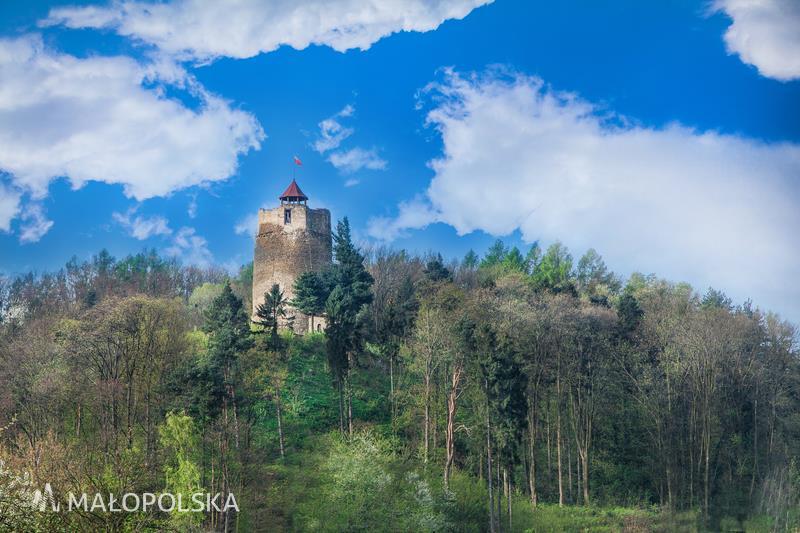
(291,239)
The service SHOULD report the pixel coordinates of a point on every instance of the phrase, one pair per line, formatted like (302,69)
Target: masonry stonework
(292,239)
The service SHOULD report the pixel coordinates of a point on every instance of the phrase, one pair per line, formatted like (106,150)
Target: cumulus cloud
(9,206)
(191,210)
(331,135)
(108,119)
(697,206)
(190,248)
(765,34)
(202,31)
(247,226)
(355,159)
(35,223)
(141,227)
(331,131)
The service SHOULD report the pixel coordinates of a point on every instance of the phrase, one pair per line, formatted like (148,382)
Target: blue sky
(665,135)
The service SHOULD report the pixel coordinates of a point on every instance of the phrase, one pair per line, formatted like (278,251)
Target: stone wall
(286,250)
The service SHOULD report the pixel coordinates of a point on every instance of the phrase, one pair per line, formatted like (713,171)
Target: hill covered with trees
(507,392)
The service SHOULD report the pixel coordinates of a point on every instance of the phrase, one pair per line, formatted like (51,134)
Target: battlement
(291,218)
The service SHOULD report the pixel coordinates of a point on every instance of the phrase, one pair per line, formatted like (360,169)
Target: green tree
(533,258)
(310,293)
(228,328)
(495,255)
(513,261)
(351,293)
(201,299)
(271,314)
(470,260)
(179,438)
(594,279)
(436,271)
(508,408)
(555,270)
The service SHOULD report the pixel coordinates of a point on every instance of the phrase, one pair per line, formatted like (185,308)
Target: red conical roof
(293,193)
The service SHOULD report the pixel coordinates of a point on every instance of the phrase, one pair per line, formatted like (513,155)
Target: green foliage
(533,258)
(593,278)
(470,260)
(495,255)
(310,294)
(554,272)
(228,326)
(714,299)
(350,294)
(178,436)
(272,314)
(202,298)
(358,477)
(513,261)
(436,271)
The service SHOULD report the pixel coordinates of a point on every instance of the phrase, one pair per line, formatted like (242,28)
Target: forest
(507,391)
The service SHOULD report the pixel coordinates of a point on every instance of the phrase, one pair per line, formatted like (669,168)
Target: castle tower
(291,239)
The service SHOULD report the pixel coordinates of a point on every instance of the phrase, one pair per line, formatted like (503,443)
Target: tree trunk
(349,404)
(499,496)
(507,483)
(558,442)
(489,466)
(391,384)
(569,473)
(452,398)
(341,404)
(531,455)
(280,421)
(427,420)
(585,460)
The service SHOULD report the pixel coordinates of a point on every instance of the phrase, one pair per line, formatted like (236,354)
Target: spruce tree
(310,294)
(228,327)
(350,294)
(272,314)
(470,260)
(436,271)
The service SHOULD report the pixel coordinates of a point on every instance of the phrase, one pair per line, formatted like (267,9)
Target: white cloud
(108,119)
(202,30)
(704,207)
(141,227)
(352,182)
(190,248)
(247,226)
(332,133)
(9,206)
(35,223)
(191,210)
(355,159)
(766,34)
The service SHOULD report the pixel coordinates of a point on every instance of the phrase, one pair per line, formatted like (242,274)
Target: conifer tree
(470,260)
(436,271)
(350,294)
(271,314)
(310,294)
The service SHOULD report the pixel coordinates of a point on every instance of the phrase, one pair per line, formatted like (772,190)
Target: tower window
(287,216)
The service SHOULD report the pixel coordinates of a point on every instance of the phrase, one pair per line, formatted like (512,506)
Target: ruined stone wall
(286,250)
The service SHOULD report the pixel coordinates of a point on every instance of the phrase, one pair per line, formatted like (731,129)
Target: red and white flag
(297,161)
